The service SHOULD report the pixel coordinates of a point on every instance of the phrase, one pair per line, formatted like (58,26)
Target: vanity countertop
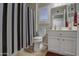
(64,30)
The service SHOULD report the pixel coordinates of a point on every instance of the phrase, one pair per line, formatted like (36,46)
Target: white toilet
(38,40)
(38,43)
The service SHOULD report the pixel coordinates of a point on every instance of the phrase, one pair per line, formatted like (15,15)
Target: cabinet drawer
(51,37)
(66,38)
(54,33)
(69,34)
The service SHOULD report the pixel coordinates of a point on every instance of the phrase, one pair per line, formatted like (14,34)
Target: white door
(53,44)
(69,46)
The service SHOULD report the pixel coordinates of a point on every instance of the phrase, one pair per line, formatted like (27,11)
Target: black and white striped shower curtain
(16,27)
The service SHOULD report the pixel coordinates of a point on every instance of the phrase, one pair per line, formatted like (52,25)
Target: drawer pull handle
(63,39)
(58,39)
(60,33)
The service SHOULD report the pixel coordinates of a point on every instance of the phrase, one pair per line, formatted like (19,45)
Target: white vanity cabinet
(63,42)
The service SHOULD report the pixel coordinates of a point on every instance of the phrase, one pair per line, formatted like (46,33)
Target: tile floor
(28,52)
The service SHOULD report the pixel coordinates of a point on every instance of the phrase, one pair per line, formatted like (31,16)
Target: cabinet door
(53,44)
(77,29)
(69,46)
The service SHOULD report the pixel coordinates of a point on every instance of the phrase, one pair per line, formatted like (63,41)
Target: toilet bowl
(37,43)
